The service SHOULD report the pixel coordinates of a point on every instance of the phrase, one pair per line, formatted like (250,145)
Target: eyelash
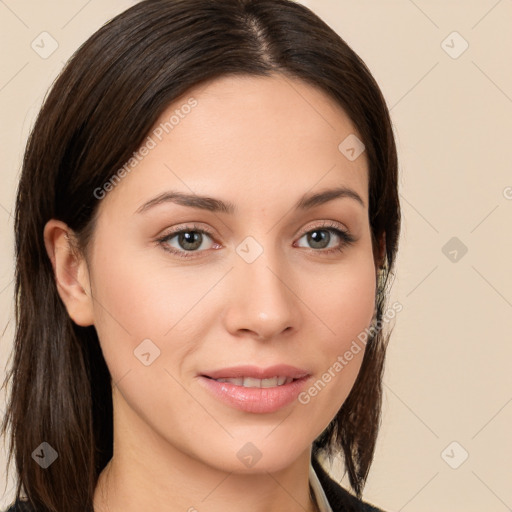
(345,236)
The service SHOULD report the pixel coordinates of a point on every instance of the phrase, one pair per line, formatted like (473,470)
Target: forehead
(238,135)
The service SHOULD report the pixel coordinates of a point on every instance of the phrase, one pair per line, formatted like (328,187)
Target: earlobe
(70,271)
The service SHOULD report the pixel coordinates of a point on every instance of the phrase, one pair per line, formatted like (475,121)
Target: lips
(253,389)
(254,372)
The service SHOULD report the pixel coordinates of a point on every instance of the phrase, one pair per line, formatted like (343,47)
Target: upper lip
(278,370)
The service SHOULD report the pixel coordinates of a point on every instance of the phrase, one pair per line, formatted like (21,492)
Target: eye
(190,239)
(328,238)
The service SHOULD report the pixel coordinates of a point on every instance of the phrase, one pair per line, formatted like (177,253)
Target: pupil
(190,240)
(319,239)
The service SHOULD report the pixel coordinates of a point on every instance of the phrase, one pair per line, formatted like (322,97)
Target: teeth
(250,382)
(268,383)
(236,382)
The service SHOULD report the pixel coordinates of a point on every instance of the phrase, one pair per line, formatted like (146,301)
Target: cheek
(130,306)
(136,302)
(345,303)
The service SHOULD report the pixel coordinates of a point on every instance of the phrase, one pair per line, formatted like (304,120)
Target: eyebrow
(211,204)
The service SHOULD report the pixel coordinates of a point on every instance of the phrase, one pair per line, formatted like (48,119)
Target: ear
(71,272)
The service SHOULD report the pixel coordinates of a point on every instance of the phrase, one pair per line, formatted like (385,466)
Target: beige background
(448,372)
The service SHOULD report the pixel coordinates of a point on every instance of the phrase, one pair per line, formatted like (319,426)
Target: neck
(147,473)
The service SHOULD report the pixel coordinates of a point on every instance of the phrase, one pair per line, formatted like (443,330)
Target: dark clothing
(20,506)
(339,498)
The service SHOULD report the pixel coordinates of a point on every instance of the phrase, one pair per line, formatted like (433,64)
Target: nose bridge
(262,300)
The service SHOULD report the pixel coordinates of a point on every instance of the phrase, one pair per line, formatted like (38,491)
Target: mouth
(251,382)
(254,389)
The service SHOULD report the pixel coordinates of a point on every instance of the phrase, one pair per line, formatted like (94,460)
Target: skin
(259,143)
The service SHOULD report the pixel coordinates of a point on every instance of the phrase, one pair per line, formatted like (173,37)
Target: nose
(262,300)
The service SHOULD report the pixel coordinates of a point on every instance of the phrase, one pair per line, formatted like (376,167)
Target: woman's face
(260,284)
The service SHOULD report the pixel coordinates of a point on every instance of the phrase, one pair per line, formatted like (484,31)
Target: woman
(206,222)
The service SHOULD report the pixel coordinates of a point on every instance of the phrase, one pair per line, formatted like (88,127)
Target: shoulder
(339,498)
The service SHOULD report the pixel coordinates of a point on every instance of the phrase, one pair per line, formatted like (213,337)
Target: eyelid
(187,227)
(324,224)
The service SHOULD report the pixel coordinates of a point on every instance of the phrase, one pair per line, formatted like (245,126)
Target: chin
(258,454)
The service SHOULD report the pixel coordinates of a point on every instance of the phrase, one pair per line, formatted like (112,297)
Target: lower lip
(255,400)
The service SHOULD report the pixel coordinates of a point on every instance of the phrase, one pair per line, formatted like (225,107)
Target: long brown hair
(98,112)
